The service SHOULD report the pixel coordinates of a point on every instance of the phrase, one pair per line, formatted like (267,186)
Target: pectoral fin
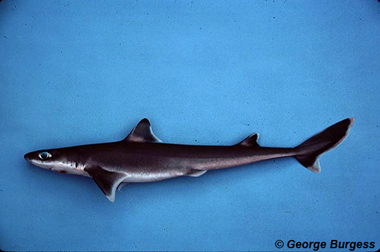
(106,180)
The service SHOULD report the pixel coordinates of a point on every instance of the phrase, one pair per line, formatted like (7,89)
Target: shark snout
(28,156)
(34,159)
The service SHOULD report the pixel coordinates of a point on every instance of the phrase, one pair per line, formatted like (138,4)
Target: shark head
(53,160)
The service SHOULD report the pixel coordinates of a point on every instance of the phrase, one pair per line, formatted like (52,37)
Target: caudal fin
(322,142)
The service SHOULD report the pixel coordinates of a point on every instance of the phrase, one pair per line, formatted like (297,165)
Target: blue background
(203,72)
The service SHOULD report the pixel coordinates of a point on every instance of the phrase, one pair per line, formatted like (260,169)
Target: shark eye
(44,155)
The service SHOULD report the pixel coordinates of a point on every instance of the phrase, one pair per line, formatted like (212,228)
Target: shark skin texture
(142,157)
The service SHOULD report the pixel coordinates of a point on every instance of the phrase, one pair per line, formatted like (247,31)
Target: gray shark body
(142,157)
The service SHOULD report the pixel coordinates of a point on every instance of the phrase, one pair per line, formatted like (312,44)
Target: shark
(142,157)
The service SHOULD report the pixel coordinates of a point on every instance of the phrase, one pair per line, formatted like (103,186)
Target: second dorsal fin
(250,141)
(142,133)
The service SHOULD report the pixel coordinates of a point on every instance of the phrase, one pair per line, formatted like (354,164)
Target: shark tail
(320,143)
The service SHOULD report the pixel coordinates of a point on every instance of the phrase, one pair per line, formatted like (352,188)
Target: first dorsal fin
(250,141)
(142,133)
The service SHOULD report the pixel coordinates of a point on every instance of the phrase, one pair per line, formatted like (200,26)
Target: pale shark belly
(141,177)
